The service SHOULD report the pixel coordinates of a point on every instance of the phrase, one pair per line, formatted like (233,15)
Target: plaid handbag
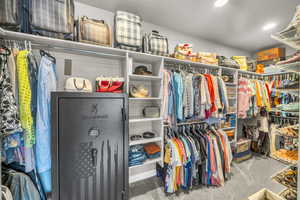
(14,15)
(228,62)
(93,31)
(53,18)
(156,44)
(128,33)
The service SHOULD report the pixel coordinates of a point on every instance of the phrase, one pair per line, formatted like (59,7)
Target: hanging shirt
(223,94)
(211,93)
(9,114)
(172,119)
(178,85)
(216,91)
(244,95)
(46,85)
(188,100)
(25,97)
(165,104)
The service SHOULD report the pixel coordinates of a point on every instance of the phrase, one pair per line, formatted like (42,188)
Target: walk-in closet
(170,100)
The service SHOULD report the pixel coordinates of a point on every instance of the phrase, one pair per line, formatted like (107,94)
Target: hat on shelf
(139,91)
(142,70)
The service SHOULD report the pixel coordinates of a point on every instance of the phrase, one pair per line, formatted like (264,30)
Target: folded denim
(136,155)
(152,156)
(140,158)
(135,163)
(136,148)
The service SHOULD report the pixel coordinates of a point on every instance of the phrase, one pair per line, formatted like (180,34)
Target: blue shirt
(178,85)
(46,84)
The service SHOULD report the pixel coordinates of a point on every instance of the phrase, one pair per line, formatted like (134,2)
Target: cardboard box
(238,158)
(243,146)
(270,54)
(265,194)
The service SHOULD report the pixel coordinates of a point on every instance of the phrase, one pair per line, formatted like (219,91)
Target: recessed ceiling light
(269,26)
(221,3)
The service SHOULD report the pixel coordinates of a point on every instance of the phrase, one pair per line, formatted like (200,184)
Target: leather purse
(94,31)
(151,111)
(77,84)
(109,84)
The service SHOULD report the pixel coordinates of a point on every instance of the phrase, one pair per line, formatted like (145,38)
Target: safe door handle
(94,156)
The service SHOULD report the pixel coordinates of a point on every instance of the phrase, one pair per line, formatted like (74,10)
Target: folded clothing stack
(137,155)
(208,58)
(152,150)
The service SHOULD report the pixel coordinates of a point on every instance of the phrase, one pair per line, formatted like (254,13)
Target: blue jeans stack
(137,155)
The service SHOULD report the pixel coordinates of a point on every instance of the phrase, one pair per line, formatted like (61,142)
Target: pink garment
(244,94)
(166,81)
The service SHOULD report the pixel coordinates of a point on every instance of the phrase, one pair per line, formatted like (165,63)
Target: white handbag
(77,84)
(5,193)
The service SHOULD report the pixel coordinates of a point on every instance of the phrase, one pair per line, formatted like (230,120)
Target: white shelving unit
(138,123)
(144,99)
(99,60)
(145,141)
(292,67)
(135,119)
(144,77)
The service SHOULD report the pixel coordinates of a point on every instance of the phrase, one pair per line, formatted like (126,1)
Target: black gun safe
(89,146)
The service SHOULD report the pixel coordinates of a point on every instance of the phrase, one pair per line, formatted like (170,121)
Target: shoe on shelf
(294,58)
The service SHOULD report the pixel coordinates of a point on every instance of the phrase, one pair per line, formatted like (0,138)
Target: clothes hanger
(43,53)
(7,53)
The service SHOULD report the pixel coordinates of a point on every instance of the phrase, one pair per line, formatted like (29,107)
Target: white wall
(173,36)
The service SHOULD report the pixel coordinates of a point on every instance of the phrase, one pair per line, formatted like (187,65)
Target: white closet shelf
(291,67)
(230,113)
(232,98)
(142,176)
(144,77)
(147,98)
(136,119)
(248,72)
(72,46)
(293,42)
(145,141)
(144,57)
(230,84)
(282,111)
(228,128)
(147,162)
(295,91)
(64,44)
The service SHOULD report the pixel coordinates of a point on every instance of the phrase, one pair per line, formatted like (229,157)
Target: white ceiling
(238,24)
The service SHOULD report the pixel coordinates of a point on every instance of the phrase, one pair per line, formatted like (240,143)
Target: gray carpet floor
(248,177)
